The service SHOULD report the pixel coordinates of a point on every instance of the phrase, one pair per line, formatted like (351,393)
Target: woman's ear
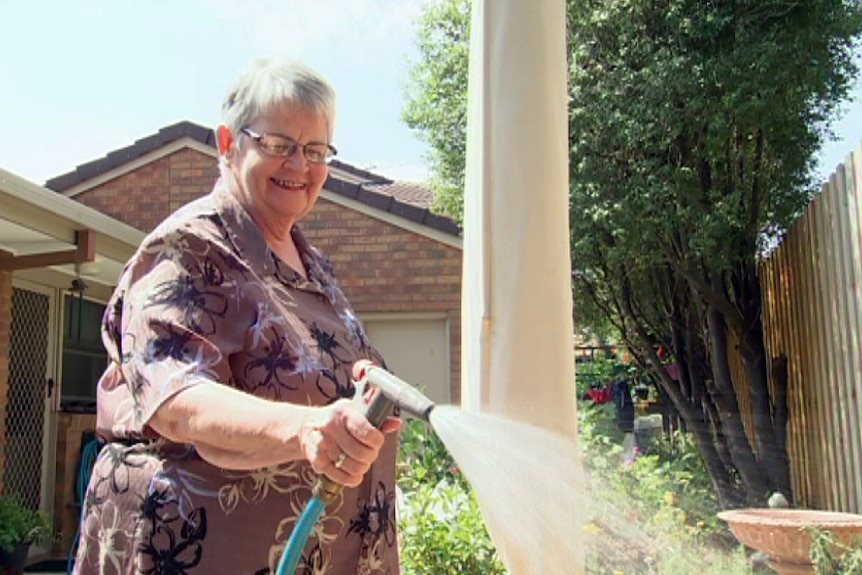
(225,140)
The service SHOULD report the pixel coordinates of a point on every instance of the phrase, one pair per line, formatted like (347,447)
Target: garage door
(416,349)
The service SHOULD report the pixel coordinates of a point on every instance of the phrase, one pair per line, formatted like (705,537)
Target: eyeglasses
(284,147)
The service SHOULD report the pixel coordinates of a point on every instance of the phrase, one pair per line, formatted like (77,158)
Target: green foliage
(423,459)
(700,119)
(600,435)
(20,524)
(694,126)
(831,557)
(673,477)
(442,531)
(437,98)
(594,324)
(441,527)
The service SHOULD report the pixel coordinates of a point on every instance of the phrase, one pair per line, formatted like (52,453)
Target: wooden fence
(812,290)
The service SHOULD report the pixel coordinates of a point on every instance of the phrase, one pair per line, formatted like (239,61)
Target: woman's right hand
(341,444)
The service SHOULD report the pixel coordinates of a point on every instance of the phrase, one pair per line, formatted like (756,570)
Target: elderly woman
(231,348)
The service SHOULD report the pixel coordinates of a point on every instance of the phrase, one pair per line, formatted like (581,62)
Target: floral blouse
(204,301)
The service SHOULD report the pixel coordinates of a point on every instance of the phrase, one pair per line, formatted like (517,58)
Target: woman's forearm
(231,426)
(235,430)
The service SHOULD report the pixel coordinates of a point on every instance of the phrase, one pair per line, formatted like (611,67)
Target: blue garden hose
(303,529)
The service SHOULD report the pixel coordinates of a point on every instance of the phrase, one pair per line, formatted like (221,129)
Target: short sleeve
(179,324)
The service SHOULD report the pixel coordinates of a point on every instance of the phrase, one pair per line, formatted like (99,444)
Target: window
(84,356)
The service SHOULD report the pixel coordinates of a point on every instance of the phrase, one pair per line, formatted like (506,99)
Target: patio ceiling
(50,239)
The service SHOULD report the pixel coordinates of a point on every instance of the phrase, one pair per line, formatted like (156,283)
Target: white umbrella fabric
(517,329)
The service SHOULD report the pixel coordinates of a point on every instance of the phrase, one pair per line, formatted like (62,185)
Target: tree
(437,98)
(693,129)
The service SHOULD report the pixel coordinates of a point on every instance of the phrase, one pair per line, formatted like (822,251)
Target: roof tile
(408,192)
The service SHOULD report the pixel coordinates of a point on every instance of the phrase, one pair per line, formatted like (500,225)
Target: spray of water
(529,484)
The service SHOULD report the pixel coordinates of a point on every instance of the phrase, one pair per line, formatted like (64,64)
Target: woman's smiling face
(279,191)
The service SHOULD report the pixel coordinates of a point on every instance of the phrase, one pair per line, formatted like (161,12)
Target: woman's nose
(296,160)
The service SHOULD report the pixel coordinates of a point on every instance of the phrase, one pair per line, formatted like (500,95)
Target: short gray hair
(268,83)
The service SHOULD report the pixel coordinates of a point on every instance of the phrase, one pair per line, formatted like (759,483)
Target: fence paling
(817,370)
(788,339)
(799,316)
(852,206)
(832,408)
(845,310)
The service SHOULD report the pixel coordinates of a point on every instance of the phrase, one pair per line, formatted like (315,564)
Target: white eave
(37,223)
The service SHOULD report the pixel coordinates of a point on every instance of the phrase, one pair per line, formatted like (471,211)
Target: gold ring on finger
(340,461)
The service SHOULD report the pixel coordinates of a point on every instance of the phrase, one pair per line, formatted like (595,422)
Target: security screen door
(31,379)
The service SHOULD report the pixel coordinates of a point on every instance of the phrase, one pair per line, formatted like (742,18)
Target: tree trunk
(772,456)
(696,423)
(724,395)
(690,395)
(717,429)
(699,428)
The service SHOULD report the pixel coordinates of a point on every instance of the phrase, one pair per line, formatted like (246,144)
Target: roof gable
(141,148)
(403,200)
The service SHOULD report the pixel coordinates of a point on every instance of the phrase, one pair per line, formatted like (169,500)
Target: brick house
(399,265)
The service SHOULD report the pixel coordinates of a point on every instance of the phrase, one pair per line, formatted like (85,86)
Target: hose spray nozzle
(383,392)
(397,391)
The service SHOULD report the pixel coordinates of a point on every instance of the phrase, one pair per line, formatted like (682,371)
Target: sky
(82,78)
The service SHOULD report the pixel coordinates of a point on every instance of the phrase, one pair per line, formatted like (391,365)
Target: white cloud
(301,27)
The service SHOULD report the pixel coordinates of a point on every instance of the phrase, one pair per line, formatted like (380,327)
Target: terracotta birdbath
(782,533)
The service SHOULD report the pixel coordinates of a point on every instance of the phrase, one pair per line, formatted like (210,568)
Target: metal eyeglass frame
(291,146)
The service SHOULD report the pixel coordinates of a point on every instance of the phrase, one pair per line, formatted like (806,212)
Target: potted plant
(20,527)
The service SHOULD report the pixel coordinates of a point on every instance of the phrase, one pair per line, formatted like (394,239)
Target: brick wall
(5,338)
(387,269)
(144,197)
(192,174)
